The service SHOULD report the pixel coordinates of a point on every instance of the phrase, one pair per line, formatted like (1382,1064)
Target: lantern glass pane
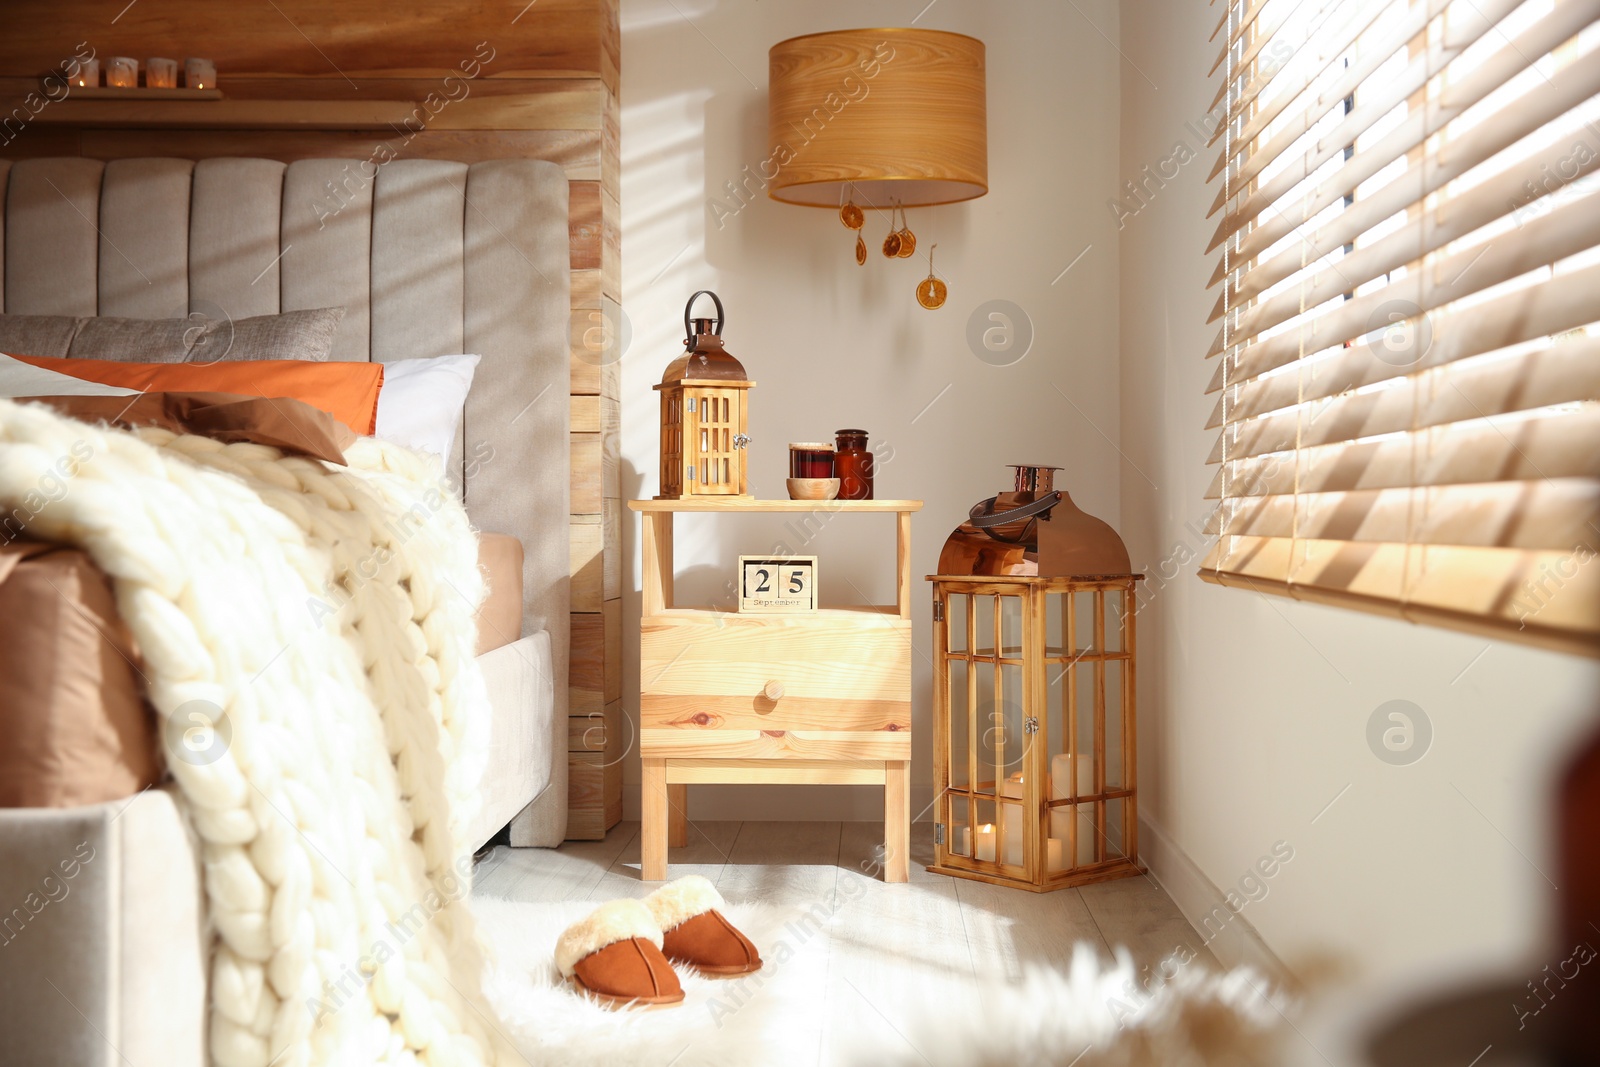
(1116,612)
(987,721)
(1113,738)
(1055,624)
(1116,832)
(958,833)
(960,723)
(1011,740)
(984,843)
(1011,627)
(1083,610)
(1054,721)
(983,616)
(1009,840)
(956,606)
(1083,685)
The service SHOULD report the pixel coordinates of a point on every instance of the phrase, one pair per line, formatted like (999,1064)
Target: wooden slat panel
(596,671)
(588,566)
(348,40)
(596,467)
(610,246)
(583,222)
(776,744)
(585,289)
(597,747)
(596,414)
(664,711)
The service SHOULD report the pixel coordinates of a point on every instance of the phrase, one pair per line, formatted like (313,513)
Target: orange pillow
(347,391)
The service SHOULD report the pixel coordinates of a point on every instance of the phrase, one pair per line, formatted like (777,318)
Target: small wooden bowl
(813,488)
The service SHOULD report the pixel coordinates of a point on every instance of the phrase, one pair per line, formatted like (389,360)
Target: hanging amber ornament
(851,216)
(932,291)
(908,240)
(861,251)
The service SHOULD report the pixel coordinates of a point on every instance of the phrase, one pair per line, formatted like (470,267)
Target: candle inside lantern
(985,850)
(199,74)
(161,73)
(122,72)
(84,73)
(1060,773)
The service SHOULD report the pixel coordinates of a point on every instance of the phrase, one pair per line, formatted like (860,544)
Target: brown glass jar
(852,465)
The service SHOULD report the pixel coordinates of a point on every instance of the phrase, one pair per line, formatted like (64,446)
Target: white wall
(1253,709)
(832,344)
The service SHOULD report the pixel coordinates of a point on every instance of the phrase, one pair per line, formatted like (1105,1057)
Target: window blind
(1407,366)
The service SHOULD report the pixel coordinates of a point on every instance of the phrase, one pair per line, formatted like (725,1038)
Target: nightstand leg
(897,821)
(677,815)
(653,820)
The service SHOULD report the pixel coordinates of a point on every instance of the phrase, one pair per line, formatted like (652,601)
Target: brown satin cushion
(500,618)
(626,971)
(74,727)
(711,944)
(282,422)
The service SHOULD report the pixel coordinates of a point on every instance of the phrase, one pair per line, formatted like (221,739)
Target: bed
(430,257)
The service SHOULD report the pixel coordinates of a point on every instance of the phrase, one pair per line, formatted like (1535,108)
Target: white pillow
(24,379)
(421,402)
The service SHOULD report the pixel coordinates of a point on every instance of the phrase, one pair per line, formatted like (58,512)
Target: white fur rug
(795,1011)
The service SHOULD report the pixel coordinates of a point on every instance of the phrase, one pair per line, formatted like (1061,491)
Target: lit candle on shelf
(199,74)
(122,72)
(87,75)
(161,73)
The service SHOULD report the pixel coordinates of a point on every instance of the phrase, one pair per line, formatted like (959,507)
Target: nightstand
(819,698)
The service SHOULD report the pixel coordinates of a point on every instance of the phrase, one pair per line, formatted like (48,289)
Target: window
(1408,361)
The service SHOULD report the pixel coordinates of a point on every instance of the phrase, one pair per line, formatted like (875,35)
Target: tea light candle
(161,73)
(199,74)
(87,75)
(122,72)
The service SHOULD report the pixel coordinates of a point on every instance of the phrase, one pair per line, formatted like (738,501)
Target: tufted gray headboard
(428,257)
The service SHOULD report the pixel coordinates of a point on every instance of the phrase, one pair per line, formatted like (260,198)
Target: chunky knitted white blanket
(307,639)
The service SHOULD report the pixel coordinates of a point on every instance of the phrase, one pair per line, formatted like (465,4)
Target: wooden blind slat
(1576,83)
(1562,373)
(1565,445)
(1556,306)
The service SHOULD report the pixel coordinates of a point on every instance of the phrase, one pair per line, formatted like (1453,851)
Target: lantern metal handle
(981,517)
(688,330)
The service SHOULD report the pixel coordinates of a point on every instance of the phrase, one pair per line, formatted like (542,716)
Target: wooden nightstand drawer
(838,670)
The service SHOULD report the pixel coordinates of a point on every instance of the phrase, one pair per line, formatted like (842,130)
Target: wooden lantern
(704,415)
(1034,740)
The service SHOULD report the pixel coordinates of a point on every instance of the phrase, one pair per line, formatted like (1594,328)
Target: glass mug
(810,460)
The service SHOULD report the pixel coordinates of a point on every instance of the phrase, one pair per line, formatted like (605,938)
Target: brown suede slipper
(615,956)
(695,932)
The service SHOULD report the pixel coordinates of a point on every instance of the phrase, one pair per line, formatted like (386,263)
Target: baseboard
(1236,943)
(788,803)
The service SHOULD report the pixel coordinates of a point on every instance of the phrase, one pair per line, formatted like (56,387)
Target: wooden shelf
(827,507)
(138,93)
(184,108)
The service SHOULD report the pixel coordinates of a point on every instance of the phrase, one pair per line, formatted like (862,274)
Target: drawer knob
(773,691)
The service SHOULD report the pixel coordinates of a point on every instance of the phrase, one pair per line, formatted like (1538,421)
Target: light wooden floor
(950,925)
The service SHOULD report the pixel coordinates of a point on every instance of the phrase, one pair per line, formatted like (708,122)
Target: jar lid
(812,446)
(852,433)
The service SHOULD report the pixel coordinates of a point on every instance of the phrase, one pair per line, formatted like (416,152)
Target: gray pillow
(196,339)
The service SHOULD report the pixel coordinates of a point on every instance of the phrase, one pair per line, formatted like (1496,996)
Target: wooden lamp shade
(889,114)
